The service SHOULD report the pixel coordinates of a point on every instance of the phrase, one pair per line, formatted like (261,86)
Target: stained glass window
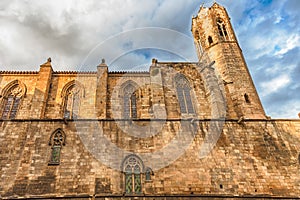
(55,155)
(72,101)
(132,170)
(11,102)
(128,183)
(137,183)
(129,101)
(184,95)
(57,140)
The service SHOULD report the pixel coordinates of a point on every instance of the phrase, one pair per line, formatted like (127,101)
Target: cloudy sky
(129,33)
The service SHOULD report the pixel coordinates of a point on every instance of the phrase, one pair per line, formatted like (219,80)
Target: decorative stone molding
(79,88)
(19,90)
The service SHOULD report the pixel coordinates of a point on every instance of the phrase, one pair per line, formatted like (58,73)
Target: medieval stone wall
(55,100)
(117,82)
(250,158)
(151,91)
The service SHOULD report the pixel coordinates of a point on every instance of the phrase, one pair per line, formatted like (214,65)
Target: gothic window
(71,103)
(184,95)
(57,140)
(132,168)
(222,28)
(148,174)
(11,100)
(129,102)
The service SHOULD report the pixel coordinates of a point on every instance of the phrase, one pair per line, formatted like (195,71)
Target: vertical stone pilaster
(101,90)
(157,103)
(40,96)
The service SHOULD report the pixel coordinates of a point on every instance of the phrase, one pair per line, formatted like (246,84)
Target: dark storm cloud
(52,37)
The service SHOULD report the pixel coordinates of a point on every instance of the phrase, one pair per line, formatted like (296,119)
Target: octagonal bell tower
(214,36)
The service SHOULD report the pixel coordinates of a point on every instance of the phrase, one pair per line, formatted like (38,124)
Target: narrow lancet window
(57,140)
(222,29)
(72,101)
(129,102)
(148,174)
(184,95)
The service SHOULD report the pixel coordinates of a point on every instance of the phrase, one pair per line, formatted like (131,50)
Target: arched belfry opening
(222,29)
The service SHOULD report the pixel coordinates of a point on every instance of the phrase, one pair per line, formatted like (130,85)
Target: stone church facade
(178,131)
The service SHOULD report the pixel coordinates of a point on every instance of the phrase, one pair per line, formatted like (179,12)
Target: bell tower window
(222,29)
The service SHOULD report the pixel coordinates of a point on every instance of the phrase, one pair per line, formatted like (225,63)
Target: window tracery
(57,140)
(184,95)
(132,168)
(12,97)
(129,102)
(222,29)
(71,95)
(72,101)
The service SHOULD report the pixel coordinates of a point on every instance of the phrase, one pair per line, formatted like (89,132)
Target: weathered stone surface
(253,158)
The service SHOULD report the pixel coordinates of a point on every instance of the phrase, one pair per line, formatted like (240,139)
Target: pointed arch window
(57,140)
(184,95)
(129,102)
(132,168)
(148,174)
(72,102)
(12,99)
(222,29)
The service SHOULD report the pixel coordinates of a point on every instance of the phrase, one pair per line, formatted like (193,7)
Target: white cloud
(286,110)
(271,86)
(292,42)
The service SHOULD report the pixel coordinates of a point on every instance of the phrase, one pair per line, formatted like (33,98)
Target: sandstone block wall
(44,98)
(251,158)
